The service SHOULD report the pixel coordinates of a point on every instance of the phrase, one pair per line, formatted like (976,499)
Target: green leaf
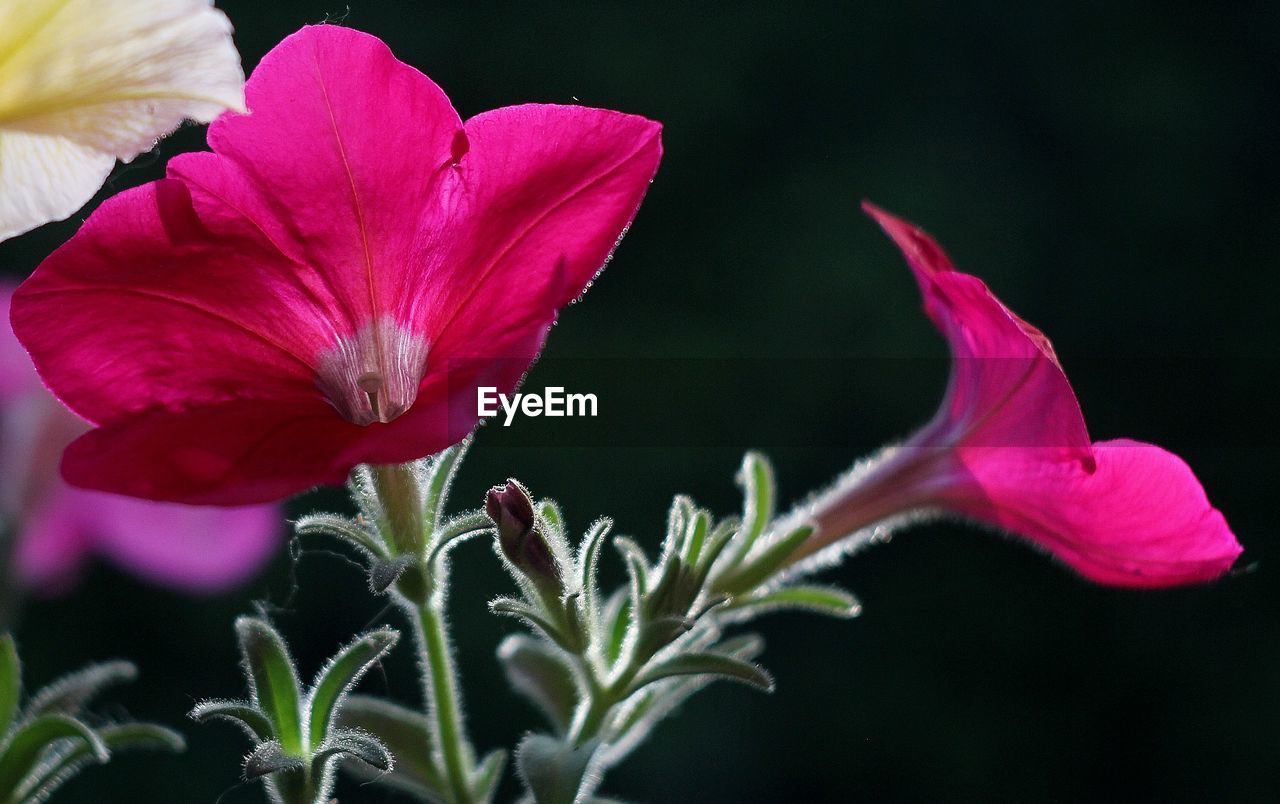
(456,531)
(340,527)
(406,734)
(827,600)
(756,479)
(268,758)
(488,775)
(617,623)
(341,674)
(637,568)
(71,693)
(385,571)
(588,561)
(697,537)
(242,713)
(678,519)
(10,683)
(28,744)
(647,707)
(553,770)
(550,514)
(541,673)
(719,538)
(53,772)
(511,607)
(272,680)
(696,664)
(440,473)
(352,743)
(750,575)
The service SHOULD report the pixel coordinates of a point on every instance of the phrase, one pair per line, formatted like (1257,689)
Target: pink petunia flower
(55,527)
(331,284)
(1009,448)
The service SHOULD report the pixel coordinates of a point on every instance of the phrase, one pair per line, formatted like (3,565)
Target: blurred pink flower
(331,284)
(56,527)
(1009,448)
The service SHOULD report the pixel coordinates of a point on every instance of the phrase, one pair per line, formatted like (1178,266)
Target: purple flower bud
(519,536)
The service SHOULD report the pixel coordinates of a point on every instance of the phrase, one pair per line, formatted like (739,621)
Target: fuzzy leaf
(272,680)
(756,479)
(341,674)
(71,693)
(588,560)
(758,570)
(353,743)
(440,473)
(267,758)
(488,775)
(617,624)
(827,600)
(637,567)
(456,531)
(550,514)
(385,571)
(26,747)
(552,770)
(696,664)
(56,770)
(340,527)
(242,713)
(510,607)
(10,683)
(540,673)
(406,734)
(697,537)
(648,707)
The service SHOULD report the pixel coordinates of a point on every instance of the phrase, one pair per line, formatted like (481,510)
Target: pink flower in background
(56,527)
(329,286)
(1009,448)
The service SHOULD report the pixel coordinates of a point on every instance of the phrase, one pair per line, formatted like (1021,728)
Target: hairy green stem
(604,697)
(441,686)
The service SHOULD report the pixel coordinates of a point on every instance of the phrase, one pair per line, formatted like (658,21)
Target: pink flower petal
(194,549)
(1009,448)
(1140,519)
(154,311)
(330,284)
(1006,388)
(558,187)
(58,527)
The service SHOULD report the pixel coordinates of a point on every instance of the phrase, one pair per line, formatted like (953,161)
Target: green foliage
(51,739)
(297,744)
(605,674)
(402,532)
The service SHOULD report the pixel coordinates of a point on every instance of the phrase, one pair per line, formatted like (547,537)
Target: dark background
(1109,168)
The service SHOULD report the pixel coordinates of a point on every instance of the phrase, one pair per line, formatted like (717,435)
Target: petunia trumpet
(53,528)
(86,82)
(331,284)
(1009,448)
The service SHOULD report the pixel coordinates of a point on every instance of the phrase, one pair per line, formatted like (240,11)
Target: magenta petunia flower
(331,284)
(1009,448)
(56,527)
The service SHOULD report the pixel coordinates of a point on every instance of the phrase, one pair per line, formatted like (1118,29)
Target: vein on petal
(518,239)
(355,197)
(148,294)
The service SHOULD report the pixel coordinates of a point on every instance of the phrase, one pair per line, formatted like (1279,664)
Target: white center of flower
(373,375)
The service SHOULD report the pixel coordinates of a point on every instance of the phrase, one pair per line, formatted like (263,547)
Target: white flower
(86,82)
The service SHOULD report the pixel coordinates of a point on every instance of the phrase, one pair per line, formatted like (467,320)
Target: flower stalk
(405,536)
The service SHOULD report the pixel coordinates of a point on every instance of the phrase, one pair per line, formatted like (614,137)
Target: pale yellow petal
(111,76)
(45,178)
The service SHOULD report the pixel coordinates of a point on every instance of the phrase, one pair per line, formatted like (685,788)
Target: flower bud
(519,536)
